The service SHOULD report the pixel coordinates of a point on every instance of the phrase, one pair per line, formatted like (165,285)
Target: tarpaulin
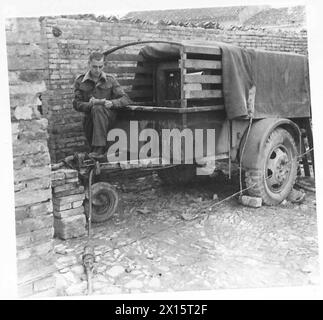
(279,81)
(160,52)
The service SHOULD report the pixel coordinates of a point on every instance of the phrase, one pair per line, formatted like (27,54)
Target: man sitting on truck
(95,93)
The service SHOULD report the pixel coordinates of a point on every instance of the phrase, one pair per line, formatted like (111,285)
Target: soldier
(95,94)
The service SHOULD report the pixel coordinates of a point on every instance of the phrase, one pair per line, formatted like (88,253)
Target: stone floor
(166,239)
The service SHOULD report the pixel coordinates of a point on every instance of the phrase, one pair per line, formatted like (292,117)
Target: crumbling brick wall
(70,41)
(27,62)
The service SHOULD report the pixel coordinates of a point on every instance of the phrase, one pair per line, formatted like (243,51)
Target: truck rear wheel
(180,174)
(276,169)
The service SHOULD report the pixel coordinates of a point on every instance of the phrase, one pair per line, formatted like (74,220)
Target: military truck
(257,102)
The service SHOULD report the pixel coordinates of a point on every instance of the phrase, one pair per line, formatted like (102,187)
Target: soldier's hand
(91,101)
(108,104)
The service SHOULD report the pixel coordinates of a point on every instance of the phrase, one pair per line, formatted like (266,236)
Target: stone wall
(70,41)
(27,62)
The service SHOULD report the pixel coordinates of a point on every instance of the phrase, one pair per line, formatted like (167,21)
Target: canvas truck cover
(280,80)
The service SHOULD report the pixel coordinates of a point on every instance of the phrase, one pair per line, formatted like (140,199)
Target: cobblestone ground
(166,239)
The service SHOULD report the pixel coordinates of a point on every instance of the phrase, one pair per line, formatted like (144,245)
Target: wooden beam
(201,94)
(206,108)
(202,64)
(194,78)
(202,50)
(123,57)
(145,107)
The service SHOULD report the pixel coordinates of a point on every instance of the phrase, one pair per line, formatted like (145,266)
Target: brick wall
(68,54)
(27,62)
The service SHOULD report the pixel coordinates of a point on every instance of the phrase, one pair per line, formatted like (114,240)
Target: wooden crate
(200,78)
(134,75)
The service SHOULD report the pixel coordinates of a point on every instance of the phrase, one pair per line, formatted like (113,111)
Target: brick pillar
(68,196)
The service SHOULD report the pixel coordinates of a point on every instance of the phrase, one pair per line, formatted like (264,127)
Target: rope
(242,154)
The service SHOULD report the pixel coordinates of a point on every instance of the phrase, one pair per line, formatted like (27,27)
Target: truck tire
(104,202)
(276,169)
(180,174)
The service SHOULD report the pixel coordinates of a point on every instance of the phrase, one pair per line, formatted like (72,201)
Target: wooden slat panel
(136,82)
(200,94)
(123,57)
(122,69)
(140,93)
(202,50)
(194,78)
(202,64)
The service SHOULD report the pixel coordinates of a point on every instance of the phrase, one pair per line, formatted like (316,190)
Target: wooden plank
(121,69)
(192,86)
(202,50)
(202,64)
(194,78)
(145,107)
(201,94)
(136,82)
(206,108)
(140,93)
(123,57)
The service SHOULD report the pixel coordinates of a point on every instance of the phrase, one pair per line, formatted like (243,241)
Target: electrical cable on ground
(88,257)
(183,222)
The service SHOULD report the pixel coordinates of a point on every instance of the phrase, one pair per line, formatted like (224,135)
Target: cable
(195,218)
(208,207)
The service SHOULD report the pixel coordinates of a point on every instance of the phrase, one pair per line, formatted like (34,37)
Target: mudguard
(259,133)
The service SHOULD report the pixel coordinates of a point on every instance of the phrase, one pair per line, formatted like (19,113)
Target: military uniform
(98,118)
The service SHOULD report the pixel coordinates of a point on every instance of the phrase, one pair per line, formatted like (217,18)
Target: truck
(255,103)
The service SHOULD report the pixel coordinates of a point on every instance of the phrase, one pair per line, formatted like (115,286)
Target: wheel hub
(278,168)
(101,202)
